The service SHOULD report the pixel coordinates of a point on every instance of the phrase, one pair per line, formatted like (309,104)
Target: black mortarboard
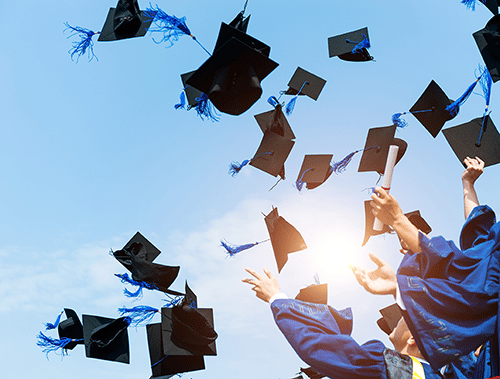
(191,93)
(312,87)
(231,76)
(430,108)
(463,140)
(417,220)
(390,318)
(285,239)
(315,170)
(106,338)
(187,329)
(311,373)
(488,42)
(376,149)
(315,293)
(276,122)
(163,366)
(492,5)
(272,154)
(125,21)
(140,247)
(369,221)
(71,328)
(350,46)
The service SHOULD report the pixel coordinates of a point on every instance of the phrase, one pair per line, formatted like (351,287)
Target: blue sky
(92,152)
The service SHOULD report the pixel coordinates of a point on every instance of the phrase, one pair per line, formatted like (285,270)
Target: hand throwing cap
(125,21)
(285,239)
(272,154)
(231,76)
(430,108)
(305,83)
(350,46)
(369,221)
(315,293)
(488,42)
(376,149)
(71,328)
(463,140)
(390,318)
(315,170)
(106,338)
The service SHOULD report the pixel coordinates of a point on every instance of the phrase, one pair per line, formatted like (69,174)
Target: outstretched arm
(265,287)
(387,210)
(381,281)
(474,169)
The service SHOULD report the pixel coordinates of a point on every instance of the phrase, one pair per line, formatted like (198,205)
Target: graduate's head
(403,340)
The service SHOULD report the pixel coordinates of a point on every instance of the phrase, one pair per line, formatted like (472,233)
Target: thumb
(379,262)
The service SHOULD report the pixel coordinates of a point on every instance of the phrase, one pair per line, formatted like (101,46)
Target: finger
(249,281)
(379,262)
(254,273)
(268,273)
(481,162)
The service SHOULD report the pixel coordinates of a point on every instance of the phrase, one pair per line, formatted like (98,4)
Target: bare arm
(474,169)
(387,210)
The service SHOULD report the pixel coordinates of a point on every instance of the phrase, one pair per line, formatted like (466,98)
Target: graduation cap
(270,156)
(492,5)
(488,42)
(303,83)
(276,122)
(137,256)
(71,328)
(125,21)
(231,76)
(414,217)
(431,109)
(377,146)
(106,338)
(165,366)
(351,46)
(315,170)
(390,318)
(285,239)
(315,293)
(476,138)
(196,99)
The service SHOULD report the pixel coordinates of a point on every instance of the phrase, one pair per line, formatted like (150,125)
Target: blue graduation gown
(320,335)
(451,294)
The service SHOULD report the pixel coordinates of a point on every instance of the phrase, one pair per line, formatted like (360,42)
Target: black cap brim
(71,328)
(390,316)
(488,43)
(108,30)
(191,93)
(417,220)
(276,122)
(462,139)
(341,47)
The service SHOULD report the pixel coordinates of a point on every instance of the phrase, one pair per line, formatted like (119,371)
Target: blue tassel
(454,107)
(398,121)
(365,44)
(182,103)
(172,27)
(341,166)
(204,108)
(49,344)
(137,294)
(235,167)
(85,45)
(299,183)
(485,82)
(232,250)
(316,279)
(272,100)
(140,314)
(291,104)
(172,301)
(370,190)
(49,326)
(470,4)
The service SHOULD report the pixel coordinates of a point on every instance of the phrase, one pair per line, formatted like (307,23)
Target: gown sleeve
(320,335)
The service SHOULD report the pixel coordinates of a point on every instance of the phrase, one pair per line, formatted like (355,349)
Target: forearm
(470,198)
(407,232)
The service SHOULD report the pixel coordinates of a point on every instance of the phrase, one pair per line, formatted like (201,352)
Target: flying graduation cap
(231,77)
(476,138)
(351,46)
(197,100)
(492,5)
(137,256)
(390,318)
(303,83)
(123,22)
(488,42)
(285,239)
(315,170)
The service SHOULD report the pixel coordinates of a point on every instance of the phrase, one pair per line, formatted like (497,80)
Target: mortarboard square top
(430,108)
(488,42)
(376,149)
(106,338)
(125,21)
(315,170)
(390,318)
(276,122)
(308,84)
(285,239)
(272,153)
(227,32)
(163,366)
(343,45)
(316,293)
(462,139)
